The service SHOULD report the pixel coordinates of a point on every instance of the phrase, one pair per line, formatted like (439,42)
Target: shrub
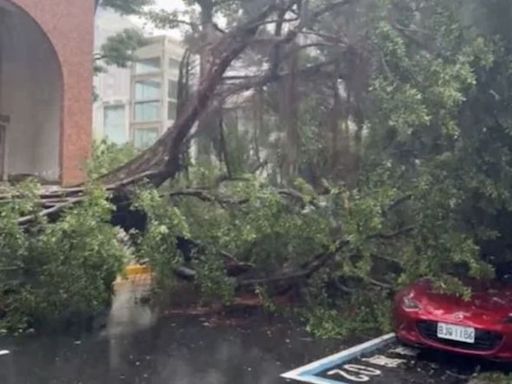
(157,244)
(107,156)
(492,378)
(56,271)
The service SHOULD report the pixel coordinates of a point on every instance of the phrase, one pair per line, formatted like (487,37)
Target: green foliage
(266,229)
(158,245)
(268,304)
(211,278)
(120,48)
(417,130)
(493,378)
(251,221)
(56,271)
(127,7)
(108,156)
(158,242)
(417,103)
(363,313)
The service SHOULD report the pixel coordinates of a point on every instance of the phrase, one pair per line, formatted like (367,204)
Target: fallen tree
(161,161)
(384,130)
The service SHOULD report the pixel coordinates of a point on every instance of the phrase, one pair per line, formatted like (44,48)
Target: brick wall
(69,24)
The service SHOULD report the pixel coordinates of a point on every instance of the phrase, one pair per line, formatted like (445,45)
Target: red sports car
(481,326)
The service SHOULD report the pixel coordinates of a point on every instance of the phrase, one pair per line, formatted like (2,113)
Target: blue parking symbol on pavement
(362,363)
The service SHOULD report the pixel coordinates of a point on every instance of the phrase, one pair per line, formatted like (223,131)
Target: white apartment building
(111,113)
(136,104)
(154,89)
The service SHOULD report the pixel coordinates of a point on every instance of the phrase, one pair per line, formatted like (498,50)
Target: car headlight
(409,304)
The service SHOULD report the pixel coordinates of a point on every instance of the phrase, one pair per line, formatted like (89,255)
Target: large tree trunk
(359,68)
(258,115)
(207,136)
(288,116)
(161,161)
(334,126)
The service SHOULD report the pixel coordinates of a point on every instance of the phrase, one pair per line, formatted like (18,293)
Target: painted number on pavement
(362,373)
(357,373)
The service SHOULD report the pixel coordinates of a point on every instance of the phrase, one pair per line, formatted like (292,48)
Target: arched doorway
(30,98)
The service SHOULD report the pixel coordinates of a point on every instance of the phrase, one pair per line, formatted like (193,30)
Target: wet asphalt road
(171,351)
(140,345)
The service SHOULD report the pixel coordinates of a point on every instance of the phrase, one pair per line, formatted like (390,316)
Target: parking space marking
(4,352)
(307,373)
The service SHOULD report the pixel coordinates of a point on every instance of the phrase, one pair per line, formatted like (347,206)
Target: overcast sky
(169,5)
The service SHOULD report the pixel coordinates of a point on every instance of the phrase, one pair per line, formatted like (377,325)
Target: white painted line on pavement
(4,352)
(306,373)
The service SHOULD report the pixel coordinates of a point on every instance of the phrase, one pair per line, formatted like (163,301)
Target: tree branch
(165,19)
(291,277)
(392,235)
(331,7)
(261,81)
(164,155)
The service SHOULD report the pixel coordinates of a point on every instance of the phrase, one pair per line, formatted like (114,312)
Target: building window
(147,111)
(146,90)
(173,90)
(114,124)
(144,137)
(172,108)
(174,64)
(147,100)
(146,66)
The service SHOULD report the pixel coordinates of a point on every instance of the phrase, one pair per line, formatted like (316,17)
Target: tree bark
(334,126)
(163,157)
(289,119)
(207,134)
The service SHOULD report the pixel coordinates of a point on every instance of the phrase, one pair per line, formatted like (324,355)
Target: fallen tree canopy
(342,148)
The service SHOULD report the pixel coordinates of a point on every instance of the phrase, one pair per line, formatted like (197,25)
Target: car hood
(488,302)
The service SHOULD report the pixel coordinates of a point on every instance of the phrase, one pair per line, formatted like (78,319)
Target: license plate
(456,333)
